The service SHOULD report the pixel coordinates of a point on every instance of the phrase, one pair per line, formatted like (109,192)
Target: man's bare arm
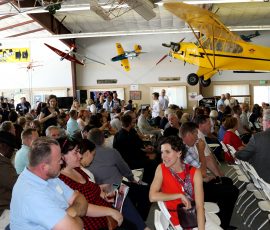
(78,205)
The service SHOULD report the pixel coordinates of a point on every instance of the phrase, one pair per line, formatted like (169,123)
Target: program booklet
(121,194)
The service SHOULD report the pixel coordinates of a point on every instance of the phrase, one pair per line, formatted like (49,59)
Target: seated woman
(77,179)
(231,138)
(88,152)
(165,186)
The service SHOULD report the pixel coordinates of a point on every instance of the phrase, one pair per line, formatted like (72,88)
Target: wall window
(261,94)
(231,89)
(177,95)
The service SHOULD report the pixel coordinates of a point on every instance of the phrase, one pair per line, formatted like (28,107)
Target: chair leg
(233,173)
(243,212)
(240,196)
(245,222)
(254,218)
(227,173)
(264,223)
(244,203)
(241,185)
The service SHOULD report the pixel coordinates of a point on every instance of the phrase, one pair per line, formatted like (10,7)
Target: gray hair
(49,129)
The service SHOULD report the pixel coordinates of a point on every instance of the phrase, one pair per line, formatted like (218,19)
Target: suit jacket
(257,153)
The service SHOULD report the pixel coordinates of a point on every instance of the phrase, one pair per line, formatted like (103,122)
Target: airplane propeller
(174,46)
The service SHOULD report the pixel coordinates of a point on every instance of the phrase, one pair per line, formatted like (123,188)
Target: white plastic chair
(161,222)
(264,205)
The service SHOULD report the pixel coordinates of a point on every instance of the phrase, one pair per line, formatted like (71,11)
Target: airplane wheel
(205,83)
(192,79)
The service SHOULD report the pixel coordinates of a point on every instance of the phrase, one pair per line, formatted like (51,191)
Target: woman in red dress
(165,187)
(231,138)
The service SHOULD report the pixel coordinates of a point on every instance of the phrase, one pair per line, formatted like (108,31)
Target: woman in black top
(49,114)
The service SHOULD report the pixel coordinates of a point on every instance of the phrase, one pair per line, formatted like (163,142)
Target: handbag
(187,217)
(112,223)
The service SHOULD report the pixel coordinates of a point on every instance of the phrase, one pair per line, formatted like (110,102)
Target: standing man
(230,101)
(163,100)
(23,107)
(40,200)
(156,109)
(21,157)
(257,150)
(221,101)
(116,102)
(8,175)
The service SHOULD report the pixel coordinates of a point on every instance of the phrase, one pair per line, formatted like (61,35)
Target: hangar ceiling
(32,19)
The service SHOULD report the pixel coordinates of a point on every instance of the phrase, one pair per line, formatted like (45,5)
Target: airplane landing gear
(192,79)
(205,83)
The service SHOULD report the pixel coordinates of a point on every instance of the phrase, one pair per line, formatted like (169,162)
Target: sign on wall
(15,55)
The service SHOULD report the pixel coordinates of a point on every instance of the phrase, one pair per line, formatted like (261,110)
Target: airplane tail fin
(137,48)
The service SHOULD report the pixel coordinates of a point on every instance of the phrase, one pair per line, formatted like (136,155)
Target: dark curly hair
(176,144)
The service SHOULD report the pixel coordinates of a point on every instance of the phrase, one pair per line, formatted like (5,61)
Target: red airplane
(69,54)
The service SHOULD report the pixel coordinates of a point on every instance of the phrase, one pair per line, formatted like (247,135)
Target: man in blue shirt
(21,157)
(42,201)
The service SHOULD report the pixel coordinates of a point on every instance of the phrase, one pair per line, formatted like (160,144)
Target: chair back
(265,187)
(231,150)
(165,214)
(161,222)
(224,147)
(253,174)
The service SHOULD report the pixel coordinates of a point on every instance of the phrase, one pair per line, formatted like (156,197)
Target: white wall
(52,73)
(143,69)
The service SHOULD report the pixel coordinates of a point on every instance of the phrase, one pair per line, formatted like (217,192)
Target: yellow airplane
(217,49)
(123,56)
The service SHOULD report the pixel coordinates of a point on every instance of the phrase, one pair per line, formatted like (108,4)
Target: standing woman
(165,187)
(48,115)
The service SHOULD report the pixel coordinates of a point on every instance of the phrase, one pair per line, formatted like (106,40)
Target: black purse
(187,217)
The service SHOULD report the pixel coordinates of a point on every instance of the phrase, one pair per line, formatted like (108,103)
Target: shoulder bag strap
(186,184)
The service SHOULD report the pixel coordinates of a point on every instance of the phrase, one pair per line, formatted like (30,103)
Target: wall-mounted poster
(135,95)
(15,55)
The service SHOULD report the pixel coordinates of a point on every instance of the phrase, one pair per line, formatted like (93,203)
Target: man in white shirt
(230,101)
(156,109)
(163,100)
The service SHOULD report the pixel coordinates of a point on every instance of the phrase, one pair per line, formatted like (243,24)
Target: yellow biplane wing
(119,48)
(125,64)
(202,20)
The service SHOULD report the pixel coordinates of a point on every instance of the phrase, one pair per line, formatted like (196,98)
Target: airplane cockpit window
(207,44)
(218,45)
(232,47)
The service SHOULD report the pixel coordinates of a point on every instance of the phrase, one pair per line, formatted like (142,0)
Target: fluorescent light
(130,33)
(212,1)
(219,1)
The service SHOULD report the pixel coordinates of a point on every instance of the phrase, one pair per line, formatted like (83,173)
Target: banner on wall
(14,55)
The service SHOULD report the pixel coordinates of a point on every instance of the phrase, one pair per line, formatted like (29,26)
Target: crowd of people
(56,165)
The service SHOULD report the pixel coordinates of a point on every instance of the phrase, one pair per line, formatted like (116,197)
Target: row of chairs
(162,216)
(244,174)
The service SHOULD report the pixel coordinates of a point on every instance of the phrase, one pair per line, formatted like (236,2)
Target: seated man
(21,158)
(42,201)
(145,127)
(109,167)
(8,175)
(219,190)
